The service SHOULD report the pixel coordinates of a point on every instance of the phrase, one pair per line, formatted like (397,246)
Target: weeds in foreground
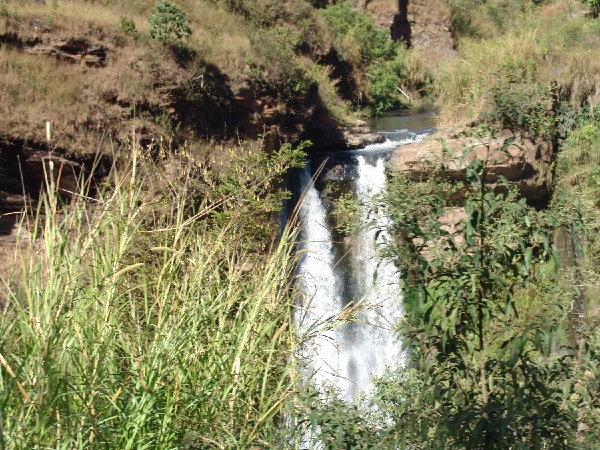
(123,329)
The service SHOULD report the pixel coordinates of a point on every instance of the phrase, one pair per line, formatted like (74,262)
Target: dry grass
(86,104)
(33,89)
(547,49)
(75,17)
(383,11)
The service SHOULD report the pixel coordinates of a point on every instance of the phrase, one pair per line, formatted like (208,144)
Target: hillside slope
(251,69)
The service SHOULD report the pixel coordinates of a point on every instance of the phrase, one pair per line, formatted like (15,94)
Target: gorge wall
(421,24)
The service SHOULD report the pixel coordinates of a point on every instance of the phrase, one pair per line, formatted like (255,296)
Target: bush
(483,377)
(275,65)
(523,106)
(370,51)
(384,86)
(128,27)
(594,6)
(169,23)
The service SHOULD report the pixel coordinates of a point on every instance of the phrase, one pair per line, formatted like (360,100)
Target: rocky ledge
(327,135)
(520,160)
(360,135)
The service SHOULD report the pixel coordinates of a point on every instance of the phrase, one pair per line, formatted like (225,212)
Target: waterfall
(331,277)
(348,355)
(319,283)
(374,343)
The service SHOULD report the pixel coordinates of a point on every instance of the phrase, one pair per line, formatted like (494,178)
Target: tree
(169,23)
(478,377)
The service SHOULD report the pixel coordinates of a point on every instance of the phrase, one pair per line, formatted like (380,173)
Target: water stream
(335,274)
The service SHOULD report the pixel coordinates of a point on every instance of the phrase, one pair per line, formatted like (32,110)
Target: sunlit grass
(122,328)
(544,49)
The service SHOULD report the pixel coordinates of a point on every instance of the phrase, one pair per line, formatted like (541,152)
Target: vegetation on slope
(233,68)
(501,352)
(492,365)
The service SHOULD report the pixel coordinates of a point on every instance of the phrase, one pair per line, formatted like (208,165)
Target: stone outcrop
(68,49)
(327,135)
(425,24)
(523,161)
(25,169)
(359,135)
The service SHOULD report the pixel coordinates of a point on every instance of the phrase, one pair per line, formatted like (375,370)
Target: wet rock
(524,162)
(335,173)
(355,138)
(360,135)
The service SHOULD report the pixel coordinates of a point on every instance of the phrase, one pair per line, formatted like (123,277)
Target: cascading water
(319,282)
(332,276)
(372,344)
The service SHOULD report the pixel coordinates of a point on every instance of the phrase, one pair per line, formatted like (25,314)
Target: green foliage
(357,39)
(462,19)
(521,105)
(276,65)
(481,377)
(384,85)
(594,6)
(127,26)
(248,186)
(336,425)
(370,50)
(578,181)
(169,23)
(346,213)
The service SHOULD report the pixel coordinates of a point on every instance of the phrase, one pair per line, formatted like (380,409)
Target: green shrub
(478,376)
(275,65)
(169,23)
(356,38)
(375,58)
(594,6)
(127,26)
(520,104)
(383,88)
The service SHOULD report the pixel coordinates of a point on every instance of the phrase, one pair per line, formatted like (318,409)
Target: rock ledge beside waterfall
(524,162)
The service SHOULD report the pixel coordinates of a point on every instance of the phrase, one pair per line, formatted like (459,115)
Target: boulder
(359,137)
(522,161)
(327,135)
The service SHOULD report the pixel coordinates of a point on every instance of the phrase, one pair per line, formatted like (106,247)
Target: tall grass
(125,329)
(537,50)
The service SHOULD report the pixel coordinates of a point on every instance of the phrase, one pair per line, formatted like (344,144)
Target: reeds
(116,333)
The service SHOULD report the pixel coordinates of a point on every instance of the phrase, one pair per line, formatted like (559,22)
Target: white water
(349,355)
(319,284)
(373,344)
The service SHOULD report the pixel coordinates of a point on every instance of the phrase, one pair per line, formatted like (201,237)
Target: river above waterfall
(338,272)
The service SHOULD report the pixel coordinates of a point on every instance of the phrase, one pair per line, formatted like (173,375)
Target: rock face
(327,135)
(24,170)
(425,24)
(524,162)
(69,49)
